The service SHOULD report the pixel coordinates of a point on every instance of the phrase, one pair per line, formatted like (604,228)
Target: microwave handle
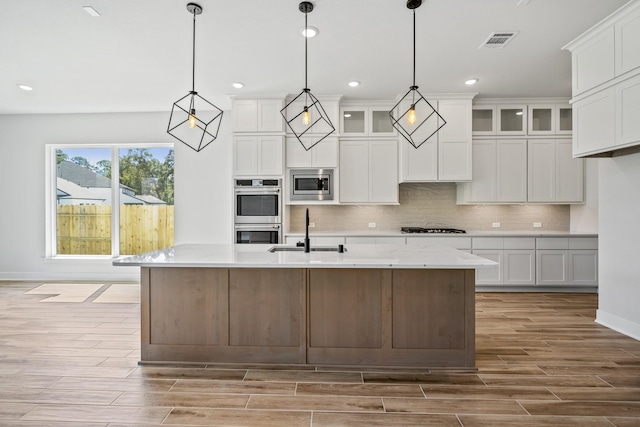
(259,227)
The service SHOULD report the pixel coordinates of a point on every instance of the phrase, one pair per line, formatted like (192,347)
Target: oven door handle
(258,227)
(257,192)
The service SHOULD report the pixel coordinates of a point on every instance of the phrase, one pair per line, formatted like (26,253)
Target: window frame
(51,199)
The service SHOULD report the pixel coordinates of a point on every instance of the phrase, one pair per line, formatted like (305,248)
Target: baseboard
(536,288)
(49,276)
(618,324)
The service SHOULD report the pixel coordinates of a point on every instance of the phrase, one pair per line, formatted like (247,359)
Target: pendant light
(417,120)
(304,114)
(194,121)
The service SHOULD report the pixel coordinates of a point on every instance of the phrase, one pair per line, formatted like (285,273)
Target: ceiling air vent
(498,40)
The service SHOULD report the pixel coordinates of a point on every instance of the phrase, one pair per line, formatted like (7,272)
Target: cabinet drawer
(552,243)
(583,243)
(519,243)
(488,243)
(452,242)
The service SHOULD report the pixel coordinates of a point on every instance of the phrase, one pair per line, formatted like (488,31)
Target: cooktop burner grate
(438,230)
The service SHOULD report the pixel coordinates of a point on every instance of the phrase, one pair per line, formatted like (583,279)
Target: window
(109,200)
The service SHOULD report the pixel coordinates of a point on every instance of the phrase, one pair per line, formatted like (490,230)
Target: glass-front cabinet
(499,120)
(484,120)
(358,120)
(550,119)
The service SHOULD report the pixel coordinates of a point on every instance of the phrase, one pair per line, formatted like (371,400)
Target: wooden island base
(365,317)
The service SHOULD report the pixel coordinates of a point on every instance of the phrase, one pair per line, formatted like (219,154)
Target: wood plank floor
(542,361)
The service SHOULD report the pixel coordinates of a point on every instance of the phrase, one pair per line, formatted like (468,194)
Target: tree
(79,160)
(103,167)
(61,156)
(145,174)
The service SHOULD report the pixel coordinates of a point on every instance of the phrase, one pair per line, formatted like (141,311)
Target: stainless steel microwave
(311,184)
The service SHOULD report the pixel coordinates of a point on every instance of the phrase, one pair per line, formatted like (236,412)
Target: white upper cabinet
(484,120)
(593,63)
(550,119)
(258,155)
(627,49)
(445,156)
(554,176)
(322,155)
(511,120)
(369,171)
(627,96)
(257,115)
(360,120)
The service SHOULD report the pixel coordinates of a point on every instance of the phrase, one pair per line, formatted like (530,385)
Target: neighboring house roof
(81,176)
(150,200)
(71,190)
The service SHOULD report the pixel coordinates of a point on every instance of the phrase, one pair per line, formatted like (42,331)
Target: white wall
(619,244)
(584,218)
(202,188)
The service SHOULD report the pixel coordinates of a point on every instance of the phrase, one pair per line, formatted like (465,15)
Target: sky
(94,155)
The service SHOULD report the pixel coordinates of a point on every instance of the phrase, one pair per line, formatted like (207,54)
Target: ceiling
(137,55)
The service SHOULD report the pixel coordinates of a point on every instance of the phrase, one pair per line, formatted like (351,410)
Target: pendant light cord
(306,36)
(193,56)
(414,47)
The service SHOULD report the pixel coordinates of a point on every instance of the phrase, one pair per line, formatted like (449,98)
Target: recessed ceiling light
(25,87)
(309,32)
(354,83)
(237,85)
(91,11)
(471,81)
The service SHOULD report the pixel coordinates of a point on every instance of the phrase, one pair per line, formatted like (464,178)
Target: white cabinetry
(554,176)
(447,155)
(455,242)
(330,106)
(369,171)
(566,261)
(516,258)
(257,115)
(257,155)
(372,119)
(550,119)
(606,84)
(376,240)
(500,173)
(322,155)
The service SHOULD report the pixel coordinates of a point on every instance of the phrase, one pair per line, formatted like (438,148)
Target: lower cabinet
(567,261)
(515,257)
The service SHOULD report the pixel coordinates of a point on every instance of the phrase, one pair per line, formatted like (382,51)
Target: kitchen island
(369,306)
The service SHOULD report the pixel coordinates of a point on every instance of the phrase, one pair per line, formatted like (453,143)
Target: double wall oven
(258,211)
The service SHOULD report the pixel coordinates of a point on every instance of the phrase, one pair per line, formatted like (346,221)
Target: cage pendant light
(417,120)
(194,121)
(304,114)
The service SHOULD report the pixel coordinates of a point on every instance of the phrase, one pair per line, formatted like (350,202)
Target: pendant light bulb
(411,115)
(306,117)
(193,121)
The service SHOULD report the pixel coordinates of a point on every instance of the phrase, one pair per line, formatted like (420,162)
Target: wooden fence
(86,229)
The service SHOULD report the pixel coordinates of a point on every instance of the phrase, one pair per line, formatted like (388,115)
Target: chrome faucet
(307,246)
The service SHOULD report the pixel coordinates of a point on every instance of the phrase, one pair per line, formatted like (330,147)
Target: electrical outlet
(537,224)
(312,224)
(372,225)
(495,225)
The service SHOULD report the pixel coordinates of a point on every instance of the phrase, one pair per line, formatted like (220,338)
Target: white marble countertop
(356,256)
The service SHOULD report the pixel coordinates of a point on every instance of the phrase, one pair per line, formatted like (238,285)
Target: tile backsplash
(431,205)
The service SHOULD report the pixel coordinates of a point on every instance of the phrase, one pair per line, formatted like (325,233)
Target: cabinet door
(627,42)
(354,171)
(512,171)
(420,164)
(270,155)
(542,119)
(594,123)
(569,174)
(454,141)
(354,121)
(627,95)
(583,267)
(519,267)
(380,122)
(485,178)
(541,170)
(593,63)
(484,120)
(564,119)
(511,119)
(296,155)
(552,267)
(325,153)
(269,118)
(383,171)
(492,275)
(245,155)
(245,115)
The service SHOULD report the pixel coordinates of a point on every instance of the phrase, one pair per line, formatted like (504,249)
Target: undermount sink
(301,249)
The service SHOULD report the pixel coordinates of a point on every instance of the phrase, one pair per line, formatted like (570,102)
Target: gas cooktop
(438,230)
